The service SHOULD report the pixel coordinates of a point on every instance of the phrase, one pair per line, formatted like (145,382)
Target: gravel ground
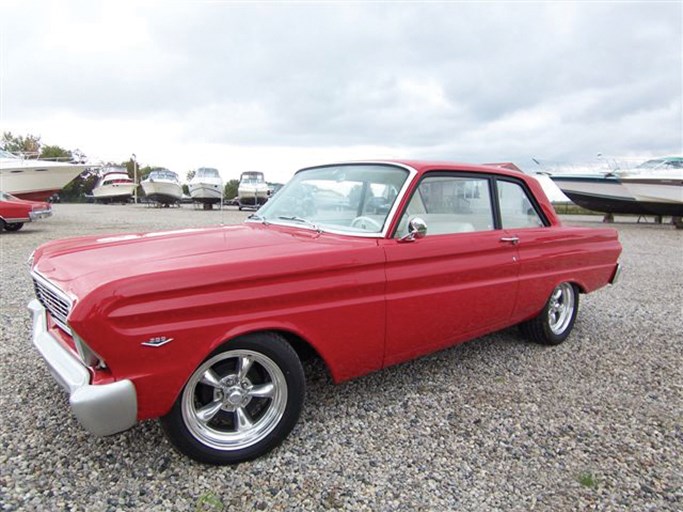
(495,424)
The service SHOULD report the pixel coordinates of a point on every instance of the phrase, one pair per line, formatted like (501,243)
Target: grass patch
(209,502)
(588,480)
(573,209)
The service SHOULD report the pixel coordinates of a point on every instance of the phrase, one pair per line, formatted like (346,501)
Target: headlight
(87,355)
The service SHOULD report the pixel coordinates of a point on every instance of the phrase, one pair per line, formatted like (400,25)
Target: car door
(457,282)
(541,252)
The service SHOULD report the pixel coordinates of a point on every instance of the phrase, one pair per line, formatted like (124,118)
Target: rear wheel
(553,325)
(240,403)
(13,226)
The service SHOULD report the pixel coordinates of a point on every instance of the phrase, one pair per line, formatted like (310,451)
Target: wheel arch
(580,287)
(303,346)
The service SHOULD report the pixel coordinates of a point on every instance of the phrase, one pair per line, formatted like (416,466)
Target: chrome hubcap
(561,308)
(234,399)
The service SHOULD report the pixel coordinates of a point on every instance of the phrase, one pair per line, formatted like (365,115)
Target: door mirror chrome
(417,228)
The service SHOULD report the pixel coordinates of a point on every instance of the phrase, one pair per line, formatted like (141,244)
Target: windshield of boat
(347,199)
(163,174)
(663,163)
(207,172)
(252,178)
(7,154)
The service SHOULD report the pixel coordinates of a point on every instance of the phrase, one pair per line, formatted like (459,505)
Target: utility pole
(135,177)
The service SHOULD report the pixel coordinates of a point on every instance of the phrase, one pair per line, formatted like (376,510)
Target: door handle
(514,240)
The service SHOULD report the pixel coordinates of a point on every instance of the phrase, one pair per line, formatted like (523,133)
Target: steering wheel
(366,223)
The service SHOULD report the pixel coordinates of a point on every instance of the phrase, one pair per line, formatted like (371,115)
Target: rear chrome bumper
(40,214)
(102,410)
(616,274)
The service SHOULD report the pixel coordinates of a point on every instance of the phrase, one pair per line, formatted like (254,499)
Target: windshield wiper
(257,217)
(302,221)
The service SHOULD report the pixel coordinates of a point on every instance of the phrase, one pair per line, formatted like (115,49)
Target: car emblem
(157,342)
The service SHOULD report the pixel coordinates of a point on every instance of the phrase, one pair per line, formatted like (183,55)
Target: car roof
(422,166)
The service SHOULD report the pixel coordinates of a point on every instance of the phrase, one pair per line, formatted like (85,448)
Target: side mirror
(417,228)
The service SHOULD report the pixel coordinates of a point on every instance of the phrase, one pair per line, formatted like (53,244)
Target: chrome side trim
(102,410)
(12,221)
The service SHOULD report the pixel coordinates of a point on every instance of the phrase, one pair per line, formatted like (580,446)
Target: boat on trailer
(252,191)
(114,186)
(162,186)
(206,187)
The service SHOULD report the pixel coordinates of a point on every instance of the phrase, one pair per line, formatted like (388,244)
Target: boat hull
(252,196)
(603,194)
(661,196)
(36,180)
(208,193)
(115,192)
(162,192)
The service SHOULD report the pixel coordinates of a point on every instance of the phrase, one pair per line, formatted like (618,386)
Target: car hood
(78,265)
(35,205)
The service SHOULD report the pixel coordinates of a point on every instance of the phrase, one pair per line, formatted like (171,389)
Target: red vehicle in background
(15,212)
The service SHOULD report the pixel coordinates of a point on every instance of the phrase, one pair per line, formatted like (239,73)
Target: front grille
(54,300)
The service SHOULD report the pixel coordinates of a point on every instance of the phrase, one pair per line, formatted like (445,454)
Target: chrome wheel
(555,322)
(234,400)
(561,308)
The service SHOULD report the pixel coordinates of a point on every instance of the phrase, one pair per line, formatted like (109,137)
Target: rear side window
(516,209)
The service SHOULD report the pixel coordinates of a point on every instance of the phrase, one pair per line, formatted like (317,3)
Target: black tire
(554,324)
(225,415)
(13,226)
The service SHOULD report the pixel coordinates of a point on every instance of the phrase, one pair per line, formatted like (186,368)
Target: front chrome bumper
(102,410)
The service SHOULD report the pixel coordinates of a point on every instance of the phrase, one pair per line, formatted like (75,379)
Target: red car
(364,264)
(14,212)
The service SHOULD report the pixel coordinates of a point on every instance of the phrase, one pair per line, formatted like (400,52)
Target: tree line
(30,146)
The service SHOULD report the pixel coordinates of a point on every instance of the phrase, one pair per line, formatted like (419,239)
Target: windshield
(252,177)
(346,198)
(207,172)
(7,154)
(163,174)
(668,163)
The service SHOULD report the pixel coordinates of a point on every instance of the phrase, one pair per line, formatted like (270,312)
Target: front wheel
(240,403)
(553,325)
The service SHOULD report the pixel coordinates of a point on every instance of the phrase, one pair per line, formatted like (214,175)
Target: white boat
(206,186)
(33,179)
(252,191)
(162,186)
(114,185)
(657,184)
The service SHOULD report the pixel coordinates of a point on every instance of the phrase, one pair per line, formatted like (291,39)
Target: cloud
(460,81)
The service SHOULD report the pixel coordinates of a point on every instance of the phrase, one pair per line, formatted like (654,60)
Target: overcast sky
(275,86)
